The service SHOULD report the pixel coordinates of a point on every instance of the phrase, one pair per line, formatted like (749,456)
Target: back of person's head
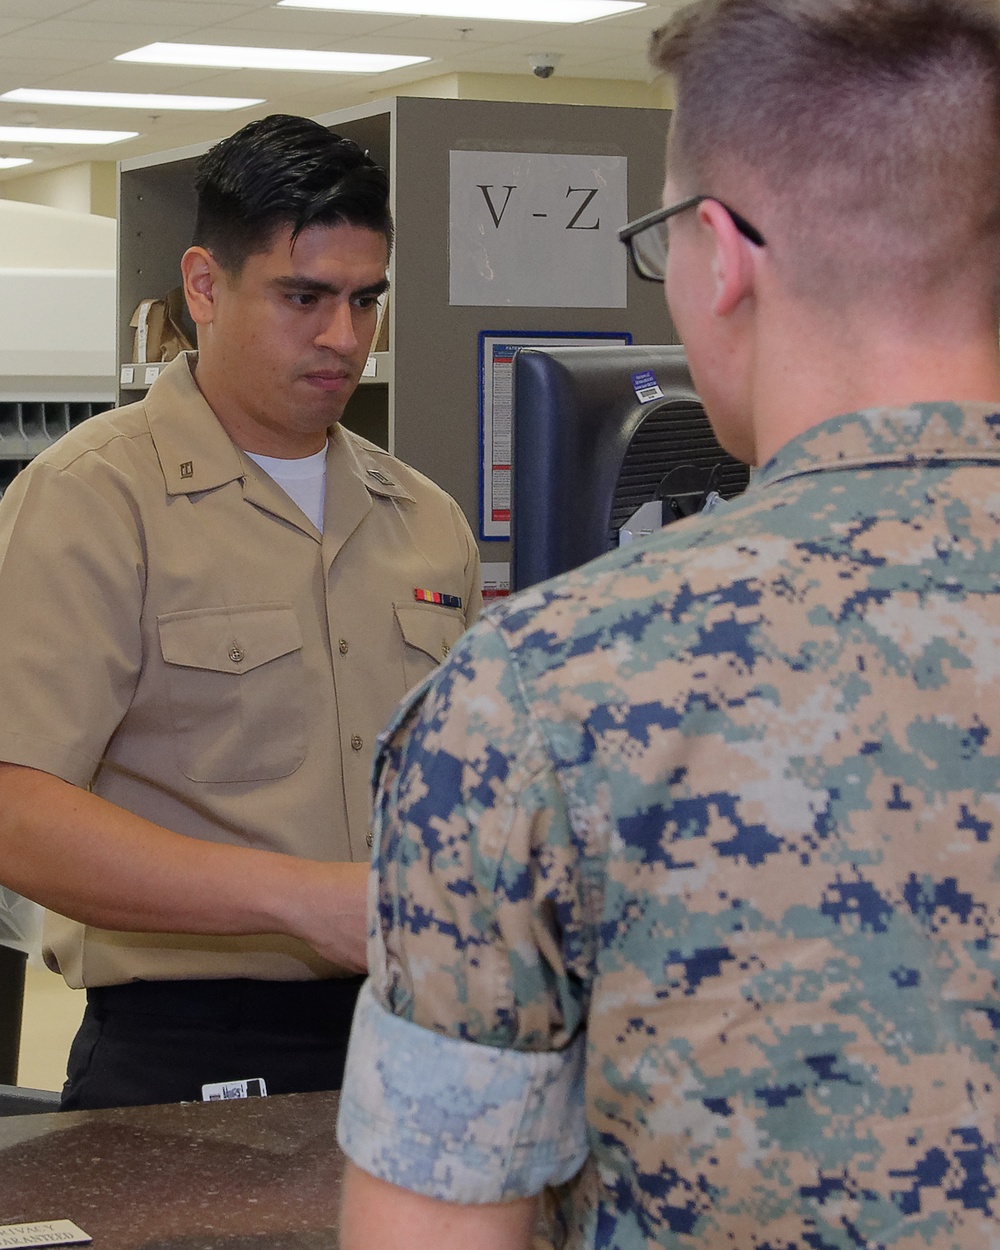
(284,171)
(864,133)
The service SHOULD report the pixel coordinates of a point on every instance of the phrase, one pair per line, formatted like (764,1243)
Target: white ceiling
(71,44)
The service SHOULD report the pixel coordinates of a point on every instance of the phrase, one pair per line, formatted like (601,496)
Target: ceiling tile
(291,24)
(10,24)
(155,12)
(37,10)
(73,35)
(25,47)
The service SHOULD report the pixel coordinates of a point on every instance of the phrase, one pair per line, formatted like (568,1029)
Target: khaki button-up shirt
(179,636)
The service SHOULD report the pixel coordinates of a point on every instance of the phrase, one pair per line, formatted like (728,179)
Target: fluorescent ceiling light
(221,56)
(127,100)
(491,10)
(39,134)
(11,162)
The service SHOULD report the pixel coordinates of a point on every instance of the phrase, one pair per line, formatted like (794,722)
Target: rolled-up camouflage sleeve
(465,1077)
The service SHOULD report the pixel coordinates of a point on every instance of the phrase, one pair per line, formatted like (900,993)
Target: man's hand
(100,865)
(330,916)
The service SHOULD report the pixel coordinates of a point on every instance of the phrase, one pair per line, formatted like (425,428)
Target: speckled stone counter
(255,1174)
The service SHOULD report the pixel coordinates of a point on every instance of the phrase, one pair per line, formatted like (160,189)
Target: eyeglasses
(646,238)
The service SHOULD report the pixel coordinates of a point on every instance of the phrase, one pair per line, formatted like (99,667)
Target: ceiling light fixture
(491,10)
(11,162)
(222,56)
(41,134)
(127,100)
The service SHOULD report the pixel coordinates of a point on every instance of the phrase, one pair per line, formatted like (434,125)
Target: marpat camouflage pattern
(727,803)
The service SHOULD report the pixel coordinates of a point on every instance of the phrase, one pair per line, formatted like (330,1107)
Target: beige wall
(104,188)
(85,188)
(36,236)
(555,90)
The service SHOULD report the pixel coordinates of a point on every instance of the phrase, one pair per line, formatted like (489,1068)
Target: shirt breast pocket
(236,687)
(429,632)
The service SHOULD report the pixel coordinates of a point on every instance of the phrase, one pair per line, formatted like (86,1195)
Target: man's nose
(339,333)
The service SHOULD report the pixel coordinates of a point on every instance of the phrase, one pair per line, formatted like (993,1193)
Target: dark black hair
(284,171)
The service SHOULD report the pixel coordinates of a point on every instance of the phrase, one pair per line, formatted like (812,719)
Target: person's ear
(733,268)
(200,274)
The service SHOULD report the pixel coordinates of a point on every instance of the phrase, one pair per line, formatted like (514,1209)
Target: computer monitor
(598,432)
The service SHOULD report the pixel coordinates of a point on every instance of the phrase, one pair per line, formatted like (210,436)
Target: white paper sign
(43,1233)
(531,229)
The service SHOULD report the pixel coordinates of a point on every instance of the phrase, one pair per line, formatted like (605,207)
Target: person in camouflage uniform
(686,902)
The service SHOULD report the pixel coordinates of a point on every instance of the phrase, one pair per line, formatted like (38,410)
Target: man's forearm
(94,862)
(375,1213)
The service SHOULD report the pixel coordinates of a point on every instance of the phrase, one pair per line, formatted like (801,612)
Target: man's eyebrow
(312,286)
(377,288)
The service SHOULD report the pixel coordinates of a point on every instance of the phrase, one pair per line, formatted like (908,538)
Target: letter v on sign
(497,216)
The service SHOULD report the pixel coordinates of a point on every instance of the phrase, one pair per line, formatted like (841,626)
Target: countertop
(250,1174)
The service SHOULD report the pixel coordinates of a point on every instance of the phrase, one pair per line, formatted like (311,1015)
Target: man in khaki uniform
(210,602)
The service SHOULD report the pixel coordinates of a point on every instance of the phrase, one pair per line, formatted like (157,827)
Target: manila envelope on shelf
(160,334)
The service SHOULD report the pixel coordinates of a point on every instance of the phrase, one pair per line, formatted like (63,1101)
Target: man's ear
(200,274)
(733,269)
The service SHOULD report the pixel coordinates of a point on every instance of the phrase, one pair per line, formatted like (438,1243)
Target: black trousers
(160,1041)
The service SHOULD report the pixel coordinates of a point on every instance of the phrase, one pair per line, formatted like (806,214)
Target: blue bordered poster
(496,413)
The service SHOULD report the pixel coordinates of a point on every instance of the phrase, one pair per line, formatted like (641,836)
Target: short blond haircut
(871,126)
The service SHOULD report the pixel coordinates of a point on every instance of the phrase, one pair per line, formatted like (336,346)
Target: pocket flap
(430,628)
(229,640)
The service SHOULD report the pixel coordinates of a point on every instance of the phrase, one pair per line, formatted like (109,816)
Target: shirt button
(357,742)
(445,649)
(237,655)
(368,838)
(343,646)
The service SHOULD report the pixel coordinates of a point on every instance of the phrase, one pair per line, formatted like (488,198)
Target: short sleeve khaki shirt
(179,636)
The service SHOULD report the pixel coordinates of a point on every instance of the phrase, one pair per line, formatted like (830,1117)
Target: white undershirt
(303,480)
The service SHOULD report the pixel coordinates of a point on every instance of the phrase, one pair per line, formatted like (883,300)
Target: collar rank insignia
(379,476)
(435,596)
